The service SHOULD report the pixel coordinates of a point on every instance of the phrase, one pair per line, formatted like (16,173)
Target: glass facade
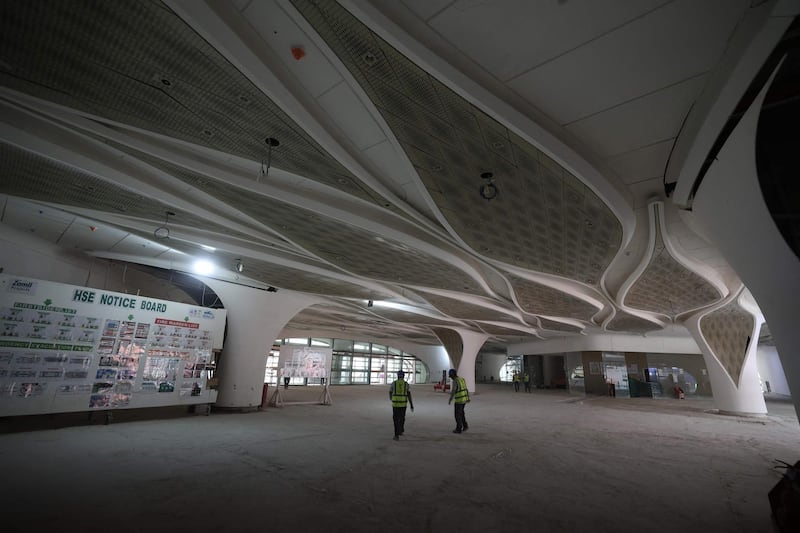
(354,363)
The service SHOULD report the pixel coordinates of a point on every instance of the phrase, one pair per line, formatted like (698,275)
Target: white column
(730,207)
(255,319)
(744,398)
(472,343)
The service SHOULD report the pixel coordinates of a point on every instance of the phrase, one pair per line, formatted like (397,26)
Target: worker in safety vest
(400,394)
(459,393)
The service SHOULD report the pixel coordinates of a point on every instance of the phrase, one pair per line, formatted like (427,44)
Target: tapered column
(255,318)
(728,338)
(472,343)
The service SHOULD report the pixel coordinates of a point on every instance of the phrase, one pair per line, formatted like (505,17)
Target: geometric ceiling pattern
(624,321)
(553,325)
(667,287)
(353,249)
(536,298)
(115,113)
(149,69)
(543,218)
(727,332)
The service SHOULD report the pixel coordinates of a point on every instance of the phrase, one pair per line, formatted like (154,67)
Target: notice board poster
(304,361)
(67,348)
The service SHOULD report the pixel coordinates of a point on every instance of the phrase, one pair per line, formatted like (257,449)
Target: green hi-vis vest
(399,393)
(462,394)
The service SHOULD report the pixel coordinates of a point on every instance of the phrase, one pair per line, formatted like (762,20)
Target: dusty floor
(540,462)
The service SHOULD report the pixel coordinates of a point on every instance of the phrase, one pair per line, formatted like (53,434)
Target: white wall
(652,343)
(770,369)
(490,366)
(24,254)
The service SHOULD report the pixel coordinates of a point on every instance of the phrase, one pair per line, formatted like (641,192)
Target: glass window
(378,348)
(271,370)
(340,377)
(321,342)
(359,346)
(343,345)
(360,363)
(359,377)
(378,371)
(395,351)
(297,340)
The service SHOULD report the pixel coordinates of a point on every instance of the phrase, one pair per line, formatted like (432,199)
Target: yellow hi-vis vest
(399,393)
(462,394)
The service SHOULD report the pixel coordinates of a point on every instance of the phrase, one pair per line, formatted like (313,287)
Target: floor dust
(544,461)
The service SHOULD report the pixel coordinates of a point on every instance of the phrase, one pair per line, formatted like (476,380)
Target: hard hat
(452,372)
(400,373)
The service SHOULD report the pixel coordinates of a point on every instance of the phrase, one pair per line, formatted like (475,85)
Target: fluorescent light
(203,267)
(208,248)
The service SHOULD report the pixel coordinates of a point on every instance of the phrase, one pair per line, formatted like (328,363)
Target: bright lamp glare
(203,267)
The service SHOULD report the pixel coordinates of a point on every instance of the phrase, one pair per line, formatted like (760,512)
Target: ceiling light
(488,190)
(162,232)
(208,248)
(203,267)
(271,143)
(239,266)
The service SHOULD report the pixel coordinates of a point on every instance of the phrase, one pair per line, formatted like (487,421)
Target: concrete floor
(540,462)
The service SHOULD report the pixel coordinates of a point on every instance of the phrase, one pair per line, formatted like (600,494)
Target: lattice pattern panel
(465,310)
(353,249)
(138,63)
(627,322)
(399,315)
(542,219)
(494,329)
(282,276)
(553,325)
(727,331)
(32,176)
(667,287)
(535,298)
(452,343)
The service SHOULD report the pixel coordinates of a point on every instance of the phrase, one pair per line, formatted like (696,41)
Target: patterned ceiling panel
(623,321)
(553,325)
(461,309)
(543,218)
(29,175)
(727,332)
(138,63)
(452,343)
(282,276)
(354,249)
(494,329)
(536,298)
(398,315)
(667,287)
